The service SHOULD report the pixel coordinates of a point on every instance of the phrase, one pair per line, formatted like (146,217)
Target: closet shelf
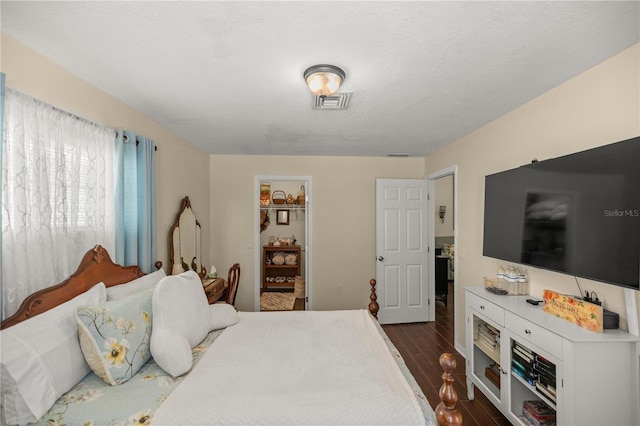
(283,207)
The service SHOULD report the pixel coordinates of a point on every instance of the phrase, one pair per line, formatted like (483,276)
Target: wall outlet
(339,289)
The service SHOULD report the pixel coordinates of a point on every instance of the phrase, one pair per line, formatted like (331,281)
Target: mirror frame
(282,217)
(185,228)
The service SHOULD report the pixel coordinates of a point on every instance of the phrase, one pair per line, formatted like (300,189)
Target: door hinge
(428,301)
(306,299)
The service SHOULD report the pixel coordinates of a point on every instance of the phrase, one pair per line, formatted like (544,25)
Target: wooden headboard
(96,266)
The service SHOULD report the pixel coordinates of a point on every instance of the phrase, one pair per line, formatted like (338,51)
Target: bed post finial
(373,305)
(446,412)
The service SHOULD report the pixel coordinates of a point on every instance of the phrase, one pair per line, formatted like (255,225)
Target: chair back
(233,280)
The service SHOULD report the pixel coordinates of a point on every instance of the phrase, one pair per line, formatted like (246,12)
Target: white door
(402,276)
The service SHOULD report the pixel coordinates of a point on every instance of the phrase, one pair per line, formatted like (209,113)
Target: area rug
(272,301)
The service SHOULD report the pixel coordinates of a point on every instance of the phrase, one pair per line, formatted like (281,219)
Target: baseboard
(461,350)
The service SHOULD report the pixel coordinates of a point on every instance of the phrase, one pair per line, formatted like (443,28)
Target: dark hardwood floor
(421,345)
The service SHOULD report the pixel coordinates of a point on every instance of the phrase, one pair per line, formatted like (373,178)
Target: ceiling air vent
(339,100)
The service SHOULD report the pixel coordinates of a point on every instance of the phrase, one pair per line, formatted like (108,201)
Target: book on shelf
(518,365)
(552,390)
(544,391)
(539,413)
(544,363)
(524,349)
(543,360)
(516,356)
(523,376)
(544,370)
(489,328)
(488,334)
(487,340)
(538,408)
(546,379)
(528,373)
(533,421)
(525,356)
(549,388)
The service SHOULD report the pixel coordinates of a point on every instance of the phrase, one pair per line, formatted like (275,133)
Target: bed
(220,367)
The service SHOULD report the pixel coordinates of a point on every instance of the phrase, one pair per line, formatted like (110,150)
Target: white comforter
(295,368)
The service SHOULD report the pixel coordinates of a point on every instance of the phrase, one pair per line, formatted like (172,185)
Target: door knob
(380,258)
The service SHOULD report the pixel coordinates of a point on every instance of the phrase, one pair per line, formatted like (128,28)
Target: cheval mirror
(184,241)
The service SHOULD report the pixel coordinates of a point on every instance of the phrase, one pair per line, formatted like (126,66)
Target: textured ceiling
(227,75)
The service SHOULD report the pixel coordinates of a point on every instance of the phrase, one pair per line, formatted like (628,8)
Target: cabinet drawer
(492,311)
(532,333)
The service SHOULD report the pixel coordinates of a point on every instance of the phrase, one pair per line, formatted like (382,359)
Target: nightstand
(214,288)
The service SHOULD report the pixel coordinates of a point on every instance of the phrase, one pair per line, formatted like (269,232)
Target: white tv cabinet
(596,373)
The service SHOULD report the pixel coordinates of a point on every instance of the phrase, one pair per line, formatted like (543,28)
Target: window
(57,195)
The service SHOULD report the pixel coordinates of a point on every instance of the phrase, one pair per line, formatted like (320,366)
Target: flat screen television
(577,214)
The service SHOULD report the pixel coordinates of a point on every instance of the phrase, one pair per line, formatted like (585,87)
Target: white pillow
(222,315)
(179,302)
(181,319)
(145,282)
(41,359)
(171,351)
(14,407)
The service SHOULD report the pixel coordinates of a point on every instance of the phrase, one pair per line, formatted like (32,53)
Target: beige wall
(598,107)
(181,168)
(343,219)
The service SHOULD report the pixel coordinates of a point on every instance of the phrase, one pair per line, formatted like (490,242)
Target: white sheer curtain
(57,195)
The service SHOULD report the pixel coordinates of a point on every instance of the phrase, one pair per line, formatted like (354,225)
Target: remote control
(534,301)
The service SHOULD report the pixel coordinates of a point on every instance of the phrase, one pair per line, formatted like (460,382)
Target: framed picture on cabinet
(282,217)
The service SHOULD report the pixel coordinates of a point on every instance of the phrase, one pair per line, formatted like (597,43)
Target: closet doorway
(282,243)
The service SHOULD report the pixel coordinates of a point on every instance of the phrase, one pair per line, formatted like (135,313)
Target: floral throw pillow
(114,336)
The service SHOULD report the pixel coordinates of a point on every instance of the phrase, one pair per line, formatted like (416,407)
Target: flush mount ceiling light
(324,80)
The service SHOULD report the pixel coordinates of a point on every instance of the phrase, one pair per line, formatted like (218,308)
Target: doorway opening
(282,243)
(444,221)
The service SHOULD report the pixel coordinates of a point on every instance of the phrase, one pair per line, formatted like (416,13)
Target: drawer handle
(527,331)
